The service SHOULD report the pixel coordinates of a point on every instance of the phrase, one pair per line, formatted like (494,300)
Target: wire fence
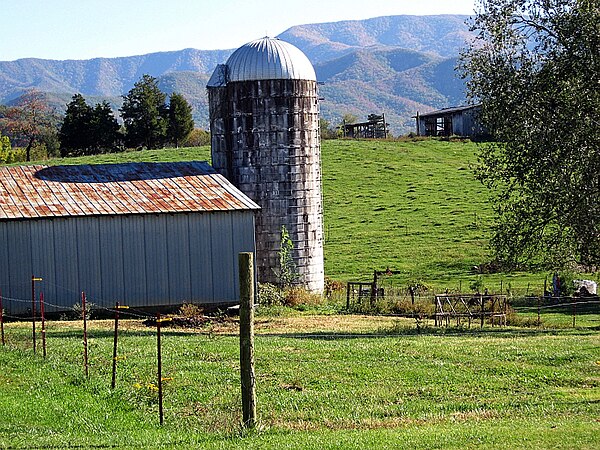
(527,311)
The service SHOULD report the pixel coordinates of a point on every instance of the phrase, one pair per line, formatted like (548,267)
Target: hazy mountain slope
(100,76)
(441,35)
(396,65)
(396,82)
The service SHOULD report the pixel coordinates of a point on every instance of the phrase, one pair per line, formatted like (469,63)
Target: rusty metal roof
(32,192)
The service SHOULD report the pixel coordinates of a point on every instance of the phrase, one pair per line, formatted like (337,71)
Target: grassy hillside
(411,206)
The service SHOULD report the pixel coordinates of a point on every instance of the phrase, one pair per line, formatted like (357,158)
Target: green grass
(329,386)
(414,207)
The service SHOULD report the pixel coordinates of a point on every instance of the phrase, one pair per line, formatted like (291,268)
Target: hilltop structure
(457,121)
(264,122)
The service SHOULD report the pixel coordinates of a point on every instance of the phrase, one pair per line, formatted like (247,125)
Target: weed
(190,310)
(270,295)
(300,297)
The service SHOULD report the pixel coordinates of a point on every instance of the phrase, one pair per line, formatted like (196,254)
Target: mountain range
(396,65)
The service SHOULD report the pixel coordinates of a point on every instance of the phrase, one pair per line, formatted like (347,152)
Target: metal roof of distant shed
(34,192)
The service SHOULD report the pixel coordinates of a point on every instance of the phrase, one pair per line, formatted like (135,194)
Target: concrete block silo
(264,118)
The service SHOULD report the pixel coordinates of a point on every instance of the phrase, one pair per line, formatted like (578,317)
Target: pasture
(323,381)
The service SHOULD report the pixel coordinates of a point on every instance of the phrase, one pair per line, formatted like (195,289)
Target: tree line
(148,121)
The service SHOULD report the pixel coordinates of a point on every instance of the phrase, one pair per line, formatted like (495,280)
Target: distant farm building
(460,121)
(142,234)
(264,123)
(374,128)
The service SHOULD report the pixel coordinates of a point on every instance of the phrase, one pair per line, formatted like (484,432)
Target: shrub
(190,310)
(420,308)
(332,286)
(270,295)
(297,296)
(197,138)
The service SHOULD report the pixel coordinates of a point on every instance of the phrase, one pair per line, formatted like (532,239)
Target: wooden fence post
(248,379)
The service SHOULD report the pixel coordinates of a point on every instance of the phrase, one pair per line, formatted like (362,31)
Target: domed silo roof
(269,59)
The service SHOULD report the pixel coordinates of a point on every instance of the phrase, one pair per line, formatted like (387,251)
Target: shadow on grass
(507,332)
(151,332)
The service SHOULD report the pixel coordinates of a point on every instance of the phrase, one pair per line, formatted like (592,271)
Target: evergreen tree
(74,135)
(145,114)
(181,122)
(105,128)
(86,130)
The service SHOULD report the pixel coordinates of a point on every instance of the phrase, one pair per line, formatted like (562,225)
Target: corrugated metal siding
(138,260)
(28,192)
(200,233)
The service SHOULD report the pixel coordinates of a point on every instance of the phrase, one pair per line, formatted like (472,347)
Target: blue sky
(83,29)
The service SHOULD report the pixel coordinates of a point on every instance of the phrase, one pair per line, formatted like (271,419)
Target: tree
(535,69)
(327,131)
(75,133)
(181,122)
(349,118)
(145,114)
(86,130)
(105,128)
(31,120)
(4,149)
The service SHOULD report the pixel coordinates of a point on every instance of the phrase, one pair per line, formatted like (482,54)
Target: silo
(264,117)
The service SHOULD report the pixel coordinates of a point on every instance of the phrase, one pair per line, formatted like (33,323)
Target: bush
(8,156)
(270,295)
(420,308)
(297,296)
(190,310)
(332,286)
(197,138)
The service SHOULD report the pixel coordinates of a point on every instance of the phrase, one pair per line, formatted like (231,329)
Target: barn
(457,121)
(142,234)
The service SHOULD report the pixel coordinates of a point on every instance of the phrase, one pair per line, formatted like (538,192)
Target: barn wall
(138,260)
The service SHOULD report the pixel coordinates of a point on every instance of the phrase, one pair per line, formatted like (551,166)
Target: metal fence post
(115,339)
(2,319)
(85,339)
(42,313)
